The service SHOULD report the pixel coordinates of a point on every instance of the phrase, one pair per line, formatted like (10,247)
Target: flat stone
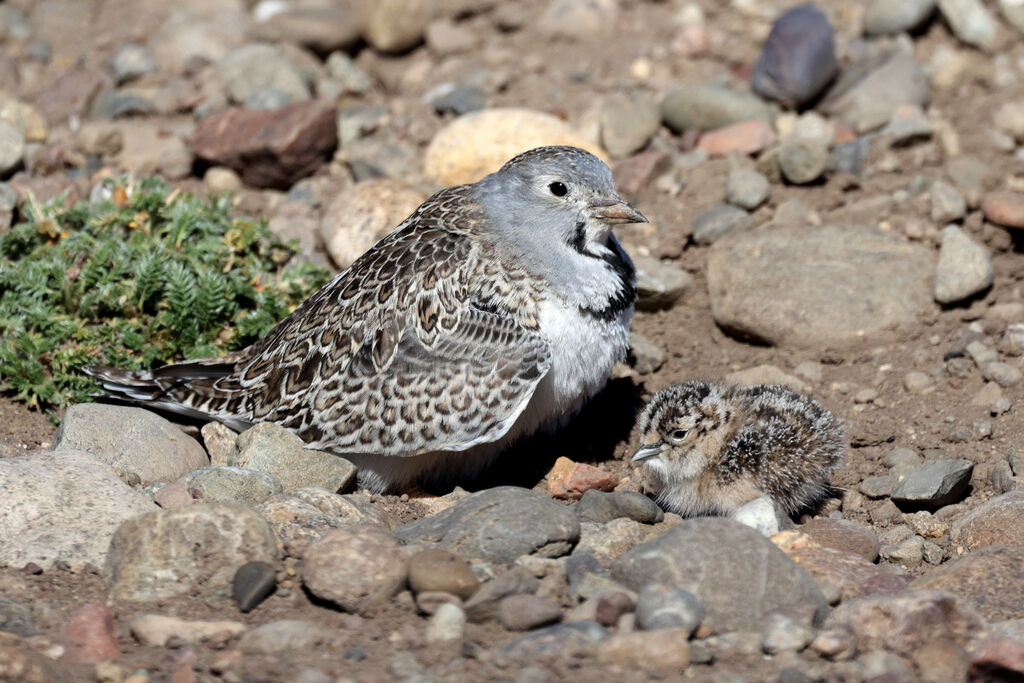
(169,553)
(719,220)
(600,507)
(322,29)
(715,559)
(843,535)
(288,636)
(438,570)
(483,606)
(660,653)
(525,612)
(988,577)
(231,485)
(877,487)
(1004,208)
(270,448)
(707,107)
(867,94)
(970,20)
(659,284)
(745,137)
(130,440)
(253,582)
(569,480)
(250,68)
(561,640)
(999,521)
(659,606)
(157,630)
(935,483)
(357,568)
(964,268)
(766,285)
(499,525)
(62,506)
(627,127)
(746,188)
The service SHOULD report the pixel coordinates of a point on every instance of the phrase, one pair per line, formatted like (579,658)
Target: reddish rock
(851,574)
(745,137)
(269,148)
(997,659)
(989,577)
(89,636)
(635,173)
(843,535)
(1004,208)
(570,480)
(999,521)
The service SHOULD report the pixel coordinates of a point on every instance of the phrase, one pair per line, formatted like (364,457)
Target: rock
(356,568)
(394,25)
(882,17)
(802,160)
(947,203)
(480,142)
(972,176)
(964,268)
(460,100)
(231,485)
(908,553)
(173,495)
(442,571)
(270,448)
(989,577)
(905,622)
(323,29)
(784,634)
(718,220)
(303,517)
(659,653)
(1004,208)
(355,123)
(348,76)
(483,606)
(935,483)
(999,521)
(570,480)
(526,612)
(1003,374)
(599,547)
(193,549)
(877,487)
(248,69)
(578,18)
(131,61)
(745,137)
(908,125)
(762,515)
(867,94)
(89,636)
(766,285)
(707,107)
(611,606)
(844,535)
(12,147)
(627,127)
(253,582)
(445,37)
(659,284)
(970,21)
(636,173)
(17,618)
(1013,12)
(447,624)
(562,640)
(269,148)
(918,383)
(747,188)
(982,355)
(852,575)
(158,630)
(142,442)
(715,559)
(499,525)
(798,59)
(71,93)
(61,506)
(599,507)
(148,148)
(288,636)
(659,606)
(942,661)
(361,215)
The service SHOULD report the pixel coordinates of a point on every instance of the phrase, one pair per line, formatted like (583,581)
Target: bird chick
(713,448)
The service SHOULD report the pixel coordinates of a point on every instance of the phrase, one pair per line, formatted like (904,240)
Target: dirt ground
(567,77)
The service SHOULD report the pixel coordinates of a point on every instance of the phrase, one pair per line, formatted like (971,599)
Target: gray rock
(116,104)
(970,20)
(867,94)
(267,98)
(849,156)
(767,285)
(717,559)
(232,485)
(196,548)
(659,606)
(303,517)
(803,160)
(883,17)
(499,525)
(483,606)
(219,439)
(252,583)
(447,624)
(356,568)
(322,29)
(707,107)
(577,19)
(948,204)
(935,483)
(746,188)
(131,61)
(460,99)
(292,635)
(561,640)
(964,268)
(130,440)
(718,220)
(783,633)
(982,355)
(250,68)
(798,58)
(762,515)
(877,487)
(908,553)
(349,77)
(8,202)
(886,666)
(524,612)
(627,127)
(17,618)
(600,545)
(270,448)
(971,175)
(1003,374)
(659,284)
(600,507)
(644,355)
(12,147)
(61,506)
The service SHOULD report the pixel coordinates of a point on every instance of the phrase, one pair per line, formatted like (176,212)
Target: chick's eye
(558,189)
(677,434)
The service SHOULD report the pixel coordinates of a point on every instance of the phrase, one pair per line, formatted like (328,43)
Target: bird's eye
(558,189)
(678,435)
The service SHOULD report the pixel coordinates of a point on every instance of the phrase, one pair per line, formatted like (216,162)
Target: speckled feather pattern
(741,443)
(431,342)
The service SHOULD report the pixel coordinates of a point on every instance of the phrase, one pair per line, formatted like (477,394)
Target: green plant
(147,277)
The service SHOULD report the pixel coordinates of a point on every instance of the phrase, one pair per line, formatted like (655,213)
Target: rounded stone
(12,146)
(441,570)
(1004,208)
(746,188)
(253,582)
(707,107)
(525,612)
(803,160)
(798,58)
(999,521)
(356,568)
(988,577)
(659,606)
(964,268)
(394,25)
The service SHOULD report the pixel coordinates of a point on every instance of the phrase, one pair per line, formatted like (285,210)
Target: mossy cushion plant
(146,277)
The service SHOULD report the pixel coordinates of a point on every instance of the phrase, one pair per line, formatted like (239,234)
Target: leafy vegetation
(146,277)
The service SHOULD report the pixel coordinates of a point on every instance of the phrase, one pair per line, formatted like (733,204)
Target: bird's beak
(614,211)
(648,450)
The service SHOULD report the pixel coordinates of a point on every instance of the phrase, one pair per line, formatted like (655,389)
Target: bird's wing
(408,351)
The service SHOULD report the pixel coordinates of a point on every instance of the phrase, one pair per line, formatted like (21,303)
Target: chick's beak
(615,210)
(648,450)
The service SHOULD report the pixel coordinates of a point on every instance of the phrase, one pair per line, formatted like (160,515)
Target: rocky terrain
(836,199)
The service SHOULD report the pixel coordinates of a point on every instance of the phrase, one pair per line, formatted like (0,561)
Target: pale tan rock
(158,630)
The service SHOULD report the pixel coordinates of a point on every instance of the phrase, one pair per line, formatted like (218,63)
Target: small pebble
(253,582)
(747,188)
(659,606)
(803,160)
